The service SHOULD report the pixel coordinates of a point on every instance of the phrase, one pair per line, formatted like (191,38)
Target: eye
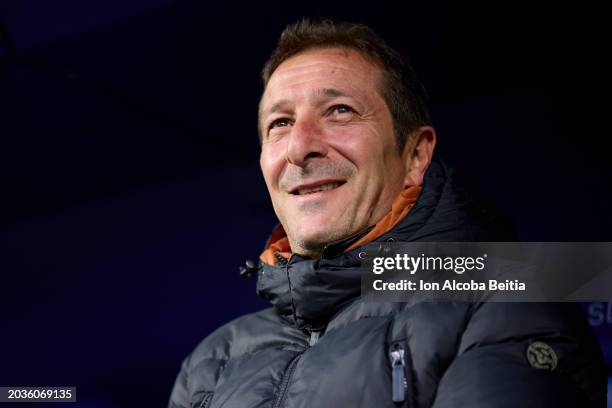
(281,122)
(340,109)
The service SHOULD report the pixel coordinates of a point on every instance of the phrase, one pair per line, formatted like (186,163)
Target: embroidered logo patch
(541,355)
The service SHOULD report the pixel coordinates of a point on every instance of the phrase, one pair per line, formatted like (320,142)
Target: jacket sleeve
(180,398)
(196,380)
(201,370)
(525,354)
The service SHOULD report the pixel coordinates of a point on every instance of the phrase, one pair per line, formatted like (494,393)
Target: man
(347,156)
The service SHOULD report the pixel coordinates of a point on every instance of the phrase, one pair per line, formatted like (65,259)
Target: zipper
(399,384)
(280,260)
(313,339)
(207,399)
(286,379)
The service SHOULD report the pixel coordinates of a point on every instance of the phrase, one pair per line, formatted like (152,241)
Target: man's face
(329,153)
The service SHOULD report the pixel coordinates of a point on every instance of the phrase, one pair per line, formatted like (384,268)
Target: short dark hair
(403,93)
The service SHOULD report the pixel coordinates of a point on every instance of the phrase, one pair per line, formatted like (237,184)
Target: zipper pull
(314,334)
(398,378)
(314,337)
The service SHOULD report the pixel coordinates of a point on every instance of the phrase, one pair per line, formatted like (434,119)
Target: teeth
(322,187)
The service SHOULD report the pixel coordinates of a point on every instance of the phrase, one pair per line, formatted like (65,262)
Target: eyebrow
(327,93)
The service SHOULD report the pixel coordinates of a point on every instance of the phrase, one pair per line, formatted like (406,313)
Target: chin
(311,238)
(314,230)
(315,240)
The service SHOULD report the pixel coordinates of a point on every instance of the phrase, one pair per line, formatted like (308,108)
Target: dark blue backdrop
(130,187)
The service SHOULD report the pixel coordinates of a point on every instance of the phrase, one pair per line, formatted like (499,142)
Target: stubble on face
(316,169)
(361,151)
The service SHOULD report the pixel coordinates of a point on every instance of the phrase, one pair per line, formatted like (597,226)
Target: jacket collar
(307,292)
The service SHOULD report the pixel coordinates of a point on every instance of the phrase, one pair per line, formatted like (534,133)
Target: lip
(316,184)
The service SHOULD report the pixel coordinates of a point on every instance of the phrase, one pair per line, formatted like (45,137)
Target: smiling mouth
(305,190)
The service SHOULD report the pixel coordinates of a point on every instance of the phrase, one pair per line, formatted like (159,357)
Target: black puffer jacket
(321,346)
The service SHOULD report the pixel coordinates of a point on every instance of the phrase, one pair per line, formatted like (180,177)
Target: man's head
(344,129)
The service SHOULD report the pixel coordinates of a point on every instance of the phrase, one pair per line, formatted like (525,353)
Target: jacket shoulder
(246,334)
(543,353)
(495,322)
(235,337)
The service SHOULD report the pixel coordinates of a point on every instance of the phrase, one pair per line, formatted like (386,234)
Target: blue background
(130,187)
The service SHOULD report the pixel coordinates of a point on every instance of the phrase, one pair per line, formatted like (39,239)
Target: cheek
(363,151)
(272,160)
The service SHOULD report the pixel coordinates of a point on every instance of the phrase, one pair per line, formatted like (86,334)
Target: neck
(304,249)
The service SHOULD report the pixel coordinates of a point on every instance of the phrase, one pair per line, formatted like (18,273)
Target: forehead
(312,71)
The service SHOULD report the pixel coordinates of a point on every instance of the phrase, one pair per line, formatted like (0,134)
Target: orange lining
(400,207)
(278,241)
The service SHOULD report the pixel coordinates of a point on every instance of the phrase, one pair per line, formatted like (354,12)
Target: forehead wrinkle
(313,69)
(315,94)
(329,93)
(278,106)
(308,68)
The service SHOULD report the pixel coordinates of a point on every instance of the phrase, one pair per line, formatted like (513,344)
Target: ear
(417,154)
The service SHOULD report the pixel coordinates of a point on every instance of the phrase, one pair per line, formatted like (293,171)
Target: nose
(306,141)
